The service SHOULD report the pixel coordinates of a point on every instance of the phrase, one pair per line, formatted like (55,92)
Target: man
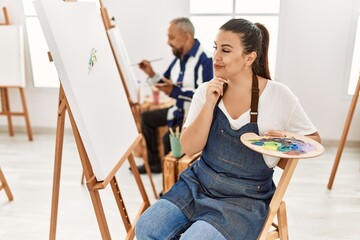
(190,67)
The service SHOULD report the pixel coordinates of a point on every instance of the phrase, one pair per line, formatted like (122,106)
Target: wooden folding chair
(277,205)
(4,185)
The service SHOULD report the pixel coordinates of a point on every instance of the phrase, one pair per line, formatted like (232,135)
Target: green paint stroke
(92,59)
(290,146)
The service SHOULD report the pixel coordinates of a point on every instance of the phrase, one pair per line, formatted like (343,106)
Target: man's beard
(177,51)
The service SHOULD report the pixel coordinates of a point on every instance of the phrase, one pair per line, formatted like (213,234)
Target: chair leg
(282,222)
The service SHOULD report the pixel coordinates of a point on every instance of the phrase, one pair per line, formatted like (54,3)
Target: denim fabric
(164,221)
(230,187)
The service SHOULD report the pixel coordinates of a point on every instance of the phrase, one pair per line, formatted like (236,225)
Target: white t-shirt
(278,109)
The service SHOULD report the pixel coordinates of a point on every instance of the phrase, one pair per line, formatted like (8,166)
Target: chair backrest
(277,206)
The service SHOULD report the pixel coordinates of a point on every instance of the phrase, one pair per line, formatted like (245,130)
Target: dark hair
(254,38)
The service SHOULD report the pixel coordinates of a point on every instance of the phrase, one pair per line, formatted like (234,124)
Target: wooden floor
(313,211)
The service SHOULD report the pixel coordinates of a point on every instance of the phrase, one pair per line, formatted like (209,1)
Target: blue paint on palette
(290,146)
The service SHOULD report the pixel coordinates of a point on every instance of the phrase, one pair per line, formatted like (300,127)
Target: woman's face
(229,59)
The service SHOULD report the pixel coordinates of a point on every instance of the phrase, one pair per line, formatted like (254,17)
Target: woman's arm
(194,137)
(315,136)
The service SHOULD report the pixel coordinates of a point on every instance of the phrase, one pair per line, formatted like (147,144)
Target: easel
(135,107)
(93,185)
(5,101)
(6,16)
(344,134)
(4,185)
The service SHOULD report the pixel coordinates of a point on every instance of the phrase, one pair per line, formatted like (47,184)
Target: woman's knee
(141,228)
(148,222)
(163,220)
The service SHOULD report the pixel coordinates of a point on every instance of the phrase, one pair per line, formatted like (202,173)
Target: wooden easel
(5,107)
(4,185)
(135,107)
(6,16)
(344,134)
(93,185)
(5,101)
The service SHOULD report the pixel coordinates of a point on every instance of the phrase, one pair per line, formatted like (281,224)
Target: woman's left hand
(274,133)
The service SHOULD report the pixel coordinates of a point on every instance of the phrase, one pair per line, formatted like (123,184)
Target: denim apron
(230,186)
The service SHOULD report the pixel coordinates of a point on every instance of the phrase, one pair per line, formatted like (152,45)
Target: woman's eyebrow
(226,45)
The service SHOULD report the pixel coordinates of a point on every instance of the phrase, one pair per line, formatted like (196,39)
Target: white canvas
(123,59)
(86,66)
(12,56)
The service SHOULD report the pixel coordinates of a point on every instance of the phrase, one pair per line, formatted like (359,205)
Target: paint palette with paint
(291,146)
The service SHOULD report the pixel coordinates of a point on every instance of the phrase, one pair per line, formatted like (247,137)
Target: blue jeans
(164,220)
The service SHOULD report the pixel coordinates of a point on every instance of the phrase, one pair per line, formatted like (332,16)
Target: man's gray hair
(184,24)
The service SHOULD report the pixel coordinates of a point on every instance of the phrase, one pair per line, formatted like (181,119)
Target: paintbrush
(152,60)
(177,134)
(171,132)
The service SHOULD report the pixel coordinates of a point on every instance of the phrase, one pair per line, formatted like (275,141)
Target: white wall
(313,55)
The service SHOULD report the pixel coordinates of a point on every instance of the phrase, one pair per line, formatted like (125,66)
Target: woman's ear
(251,58)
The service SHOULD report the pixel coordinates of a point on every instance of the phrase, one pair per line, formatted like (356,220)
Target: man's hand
(147,68)
(167,86)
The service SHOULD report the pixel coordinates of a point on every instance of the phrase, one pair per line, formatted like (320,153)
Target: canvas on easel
(12,71)
(92,93)
(122,57)
(128,79)
(90,80)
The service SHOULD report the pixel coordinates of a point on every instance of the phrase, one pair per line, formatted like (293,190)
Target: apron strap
(225,86)
(254,99)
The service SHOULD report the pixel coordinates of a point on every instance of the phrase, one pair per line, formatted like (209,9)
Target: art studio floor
(313,211)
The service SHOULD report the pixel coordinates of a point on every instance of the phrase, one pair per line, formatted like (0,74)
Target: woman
(225,195)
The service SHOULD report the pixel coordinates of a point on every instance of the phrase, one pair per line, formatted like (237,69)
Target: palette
(291,146)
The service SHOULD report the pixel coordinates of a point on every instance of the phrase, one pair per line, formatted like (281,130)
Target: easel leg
(6,109)
(57,167)
(90,181)
(82,177)
(94,193)
(26,115)
(120,203)
(130,228)
(99,212)
(344,135)
(4,185)
(136,110)
(147,168)
(138,179)
(146,203)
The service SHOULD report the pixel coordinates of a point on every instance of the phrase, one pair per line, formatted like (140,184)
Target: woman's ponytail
(261,64)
